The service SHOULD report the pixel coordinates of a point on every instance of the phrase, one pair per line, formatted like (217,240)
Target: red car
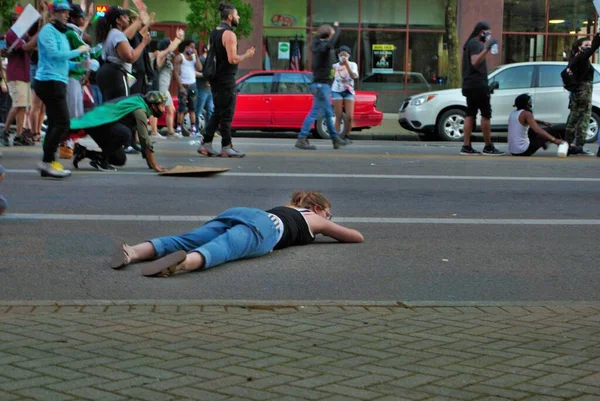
(280,100)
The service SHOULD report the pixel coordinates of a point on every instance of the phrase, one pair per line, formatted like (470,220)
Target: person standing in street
(51,81)
(342,91)
(476,89)
(187,66)
(222,86)
(580,102)
(19,87)
(321,87)
(204,98)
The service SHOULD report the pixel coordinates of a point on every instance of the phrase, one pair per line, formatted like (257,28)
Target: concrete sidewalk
(201,350)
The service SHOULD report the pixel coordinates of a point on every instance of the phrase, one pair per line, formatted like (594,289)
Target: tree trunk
(454,70)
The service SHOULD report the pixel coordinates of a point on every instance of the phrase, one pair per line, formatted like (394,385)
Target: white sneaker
(157,136)
(54,170)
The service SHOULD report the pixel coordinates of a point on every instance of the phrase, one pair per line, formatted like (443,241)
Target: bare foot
(193,261)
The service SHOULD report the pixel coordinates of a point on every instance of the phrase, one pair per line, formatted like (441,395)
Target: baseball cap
(113,13)
(132,14)
(61,5)
(76,11)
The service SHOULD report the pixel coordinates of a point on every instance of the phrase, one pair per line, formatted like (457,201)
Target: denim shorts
(346,95)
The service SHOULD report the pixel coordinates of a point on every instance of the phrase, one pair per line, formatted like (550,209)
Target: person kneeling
(238,233)
(113,124)
(525,136)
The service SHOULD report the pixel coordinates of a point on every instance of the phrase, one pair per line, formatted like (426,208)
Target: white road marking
(369,220)
(358,176)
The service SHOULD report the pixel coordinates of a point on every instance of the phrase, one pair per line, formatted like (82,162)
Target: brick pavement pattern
(261,352)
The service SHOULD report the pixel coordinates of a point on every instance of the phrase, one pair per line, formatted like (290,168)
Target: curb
(295,303)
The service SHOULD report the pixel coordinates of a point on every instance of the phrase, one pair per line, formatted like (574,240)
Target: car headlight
(418,101)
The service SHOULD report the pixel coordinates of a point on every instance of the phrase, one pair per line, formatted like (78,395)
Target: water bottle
(94,65)
(563,149)
(94,51)
(494,49)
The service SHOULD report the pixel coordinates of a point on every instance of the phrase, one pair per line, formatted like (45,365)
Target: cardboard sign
(28,17)
(191,171)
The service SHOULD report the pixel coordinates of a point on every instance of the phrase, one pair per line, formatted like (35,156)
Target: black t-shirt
(474,76)
(321,63)
(226,71)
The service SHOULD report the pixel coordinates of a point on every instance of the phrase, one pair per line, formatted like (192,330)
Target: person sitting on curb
(238,233)
(113,124)
(525,136)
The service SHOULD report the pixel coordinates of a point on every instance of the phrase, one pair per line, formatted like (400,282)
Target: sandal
(120,256)
(164,266)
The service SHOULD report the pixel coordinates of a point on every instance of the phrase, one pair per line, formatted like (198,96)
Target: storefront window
(525,15)
(383,13)
(559,47)
(571,16)
(328,11)
(427,62)
(522,48)
(382,61)
(280,45)
(285,13)
(430,14)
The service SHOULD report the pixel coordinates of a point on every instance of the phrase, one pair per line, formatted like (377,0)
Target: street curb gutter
(319,303)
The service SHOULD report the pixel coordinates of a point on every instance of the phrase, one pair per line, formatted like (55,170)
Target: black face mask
(156,112)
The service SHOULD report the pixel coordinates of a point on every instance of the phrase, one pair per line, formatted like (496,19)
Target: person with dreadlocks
(238,233)
(113,124)
(525,136)
(580,102)
(476,89)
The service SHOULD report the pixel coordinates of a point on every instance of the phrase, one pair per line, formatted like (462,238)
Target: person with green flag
(113,124)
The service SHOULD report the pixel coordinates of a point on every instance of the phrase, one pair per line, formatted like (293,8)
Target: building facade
(400,45)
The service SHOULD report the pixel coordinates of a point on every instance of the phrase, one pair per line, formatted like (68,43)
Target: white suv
(441,114)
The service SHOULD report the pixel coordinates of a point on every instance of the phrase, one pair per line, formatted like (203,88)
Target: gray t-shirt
(109,51)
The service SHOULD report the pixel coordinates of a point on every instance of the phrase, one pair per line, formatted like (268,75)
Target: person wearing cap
(525,136)
(476,89)
(79,22)
(115,30)
(51,79)
(112,124)
(342,90)
(141,68)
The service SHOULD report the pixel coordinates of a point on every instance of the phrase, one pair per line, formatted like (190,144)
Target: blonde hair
(308,199)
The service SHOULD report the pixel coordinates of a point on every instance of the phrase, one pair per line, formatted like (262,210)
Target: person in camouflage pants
(580,115)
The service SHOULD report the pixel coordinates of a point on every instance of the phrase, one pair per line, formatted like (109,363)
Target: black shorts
(478,99)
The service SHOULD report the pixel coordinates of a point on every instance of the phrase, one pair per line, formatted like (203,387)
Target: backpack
(569,79)
(209,69)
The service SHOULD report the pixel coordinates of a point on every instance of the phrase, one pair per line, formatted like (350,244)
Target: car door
(512,82)
(292,99)
(253,107)
(550,99)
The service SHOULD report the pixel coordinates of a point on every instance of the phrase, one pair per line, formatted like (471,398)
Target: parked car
(395,82)
(441,114)
(280,100)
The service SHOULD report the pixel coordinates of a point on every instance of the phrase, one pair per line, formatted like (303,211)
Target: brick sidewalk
(200,351)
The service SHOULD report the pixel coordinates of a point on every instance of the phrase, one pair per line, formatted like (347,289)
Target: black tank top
(295,227)
(225,78)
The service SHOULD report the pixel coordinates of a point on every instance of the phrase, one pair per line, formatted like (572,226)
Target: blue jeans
(204,100)
(96,94)
(237,233)
(321,106)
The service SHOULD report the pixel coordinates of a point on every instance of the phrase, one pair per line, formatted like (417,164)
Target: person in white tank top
(525,136)
(187,68)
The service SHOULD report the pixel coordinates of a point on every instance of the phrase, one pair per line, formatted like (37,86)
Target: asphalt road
(438,226)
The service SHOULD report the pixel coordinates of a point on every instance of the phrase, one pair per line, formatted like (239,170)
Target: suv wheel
(592,133)
(451,125)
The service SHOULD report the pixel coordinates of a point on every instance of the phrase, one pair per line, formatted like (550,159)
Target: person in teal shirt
(50,84)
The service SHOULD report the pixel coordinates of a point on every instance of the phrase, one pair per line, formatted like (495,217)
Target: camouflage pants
(580,115)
